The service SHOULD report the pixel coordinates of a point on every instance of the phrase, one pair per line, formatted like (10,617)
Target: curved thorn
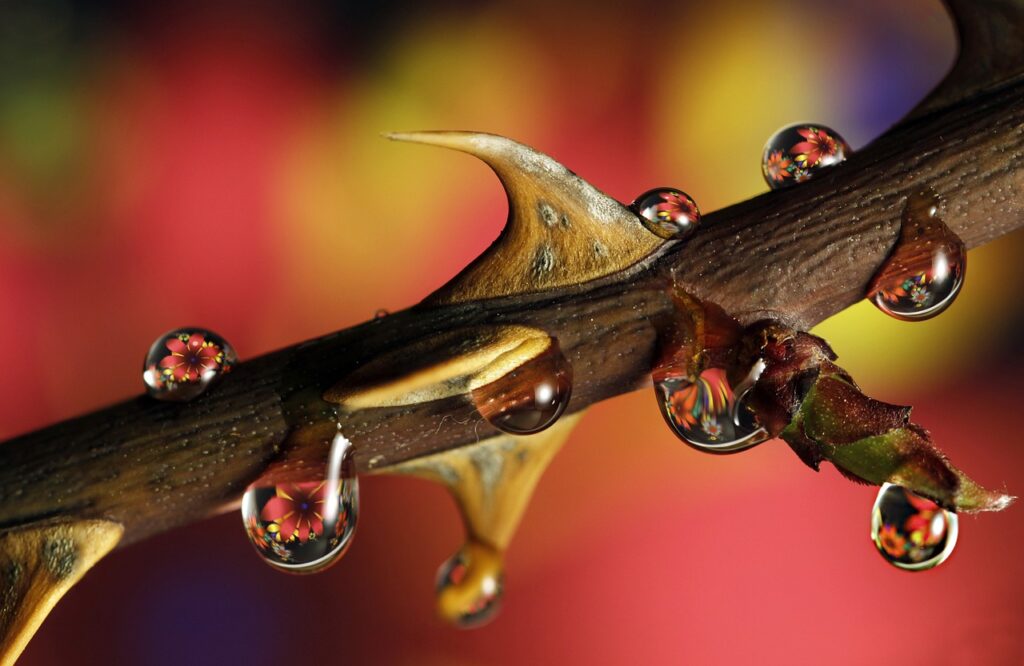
(561,230)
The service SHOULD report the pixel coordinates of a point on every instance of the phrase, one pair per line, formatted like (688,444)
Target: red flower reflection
(702,401)
(297,508)
(676,207)
(914,287)
(257,533)
(926,527)
(817,146)
(891,541)
(190,358)
(777,166)
(457,573)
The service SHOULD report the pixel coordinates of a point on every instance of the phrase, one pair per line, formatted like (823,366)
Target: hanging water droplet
(911,532)
(531,397)
(380,314)
(707,413)
(470,585)
(304,527)
(798,152)
(185,362)
(925,270)
(667,212)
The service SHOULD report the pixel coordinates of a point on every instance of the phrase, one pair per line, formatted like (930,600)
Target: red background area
(222,166)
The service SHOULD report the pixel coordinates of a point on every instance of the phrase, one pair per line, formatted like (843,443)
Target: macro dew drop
(529,398)
(708,414)
(470,585)
(925,270)
(911,532)
(666,212)
(304,527)
(798,152)
(183,363)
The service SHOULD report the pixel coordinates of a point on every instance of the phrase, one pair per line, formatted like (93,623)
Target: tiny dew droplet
(925,270)
(707,413)
(529,398)
(304,527)
(470,585)
(798,152)
(380,314)
(667,212)
(911,532)
(183,363)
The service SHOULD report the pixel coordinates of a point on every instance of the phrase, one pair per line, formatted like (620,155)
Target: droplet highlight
(925,270)
(470,585)
(911,532)
(531,397)
(184,363)
(304,527)
(798,152)
(708,413)
(669,213)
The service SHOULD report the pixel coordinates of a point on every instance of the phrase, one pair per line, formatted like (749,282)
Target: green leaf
(874,442)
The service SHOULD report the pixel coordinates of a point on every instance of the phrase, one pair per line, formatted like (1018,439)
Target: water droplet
(925,271)
(531,397)
(667,212)
(380,314)
(304,527)
(470,585)
(708,413)
(491,482)
(911,532)
(798,152)
(185,362)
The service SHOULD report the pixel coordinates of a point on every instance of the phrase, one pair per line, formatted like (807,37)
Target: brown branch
(799,255)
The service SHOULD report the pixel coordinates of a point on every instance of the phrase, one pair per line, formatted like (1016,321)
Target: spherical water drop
(668,213)
(708,414)
(911,532)
(531,397)
(185,362)
(798,152)
(925,270)
(470,585)
(304,527)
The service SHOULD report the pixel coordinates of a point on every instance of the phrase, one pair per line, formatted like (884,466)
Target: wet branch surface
(797,255)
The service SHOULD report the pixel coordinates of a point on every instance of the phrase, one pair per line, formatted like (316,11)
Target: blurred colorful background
(221,164)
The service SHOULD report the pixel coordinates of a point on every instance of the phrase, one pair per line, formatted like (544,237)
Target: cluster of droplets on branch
(721,389)
(705,392)
(301,525)
(925,270)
